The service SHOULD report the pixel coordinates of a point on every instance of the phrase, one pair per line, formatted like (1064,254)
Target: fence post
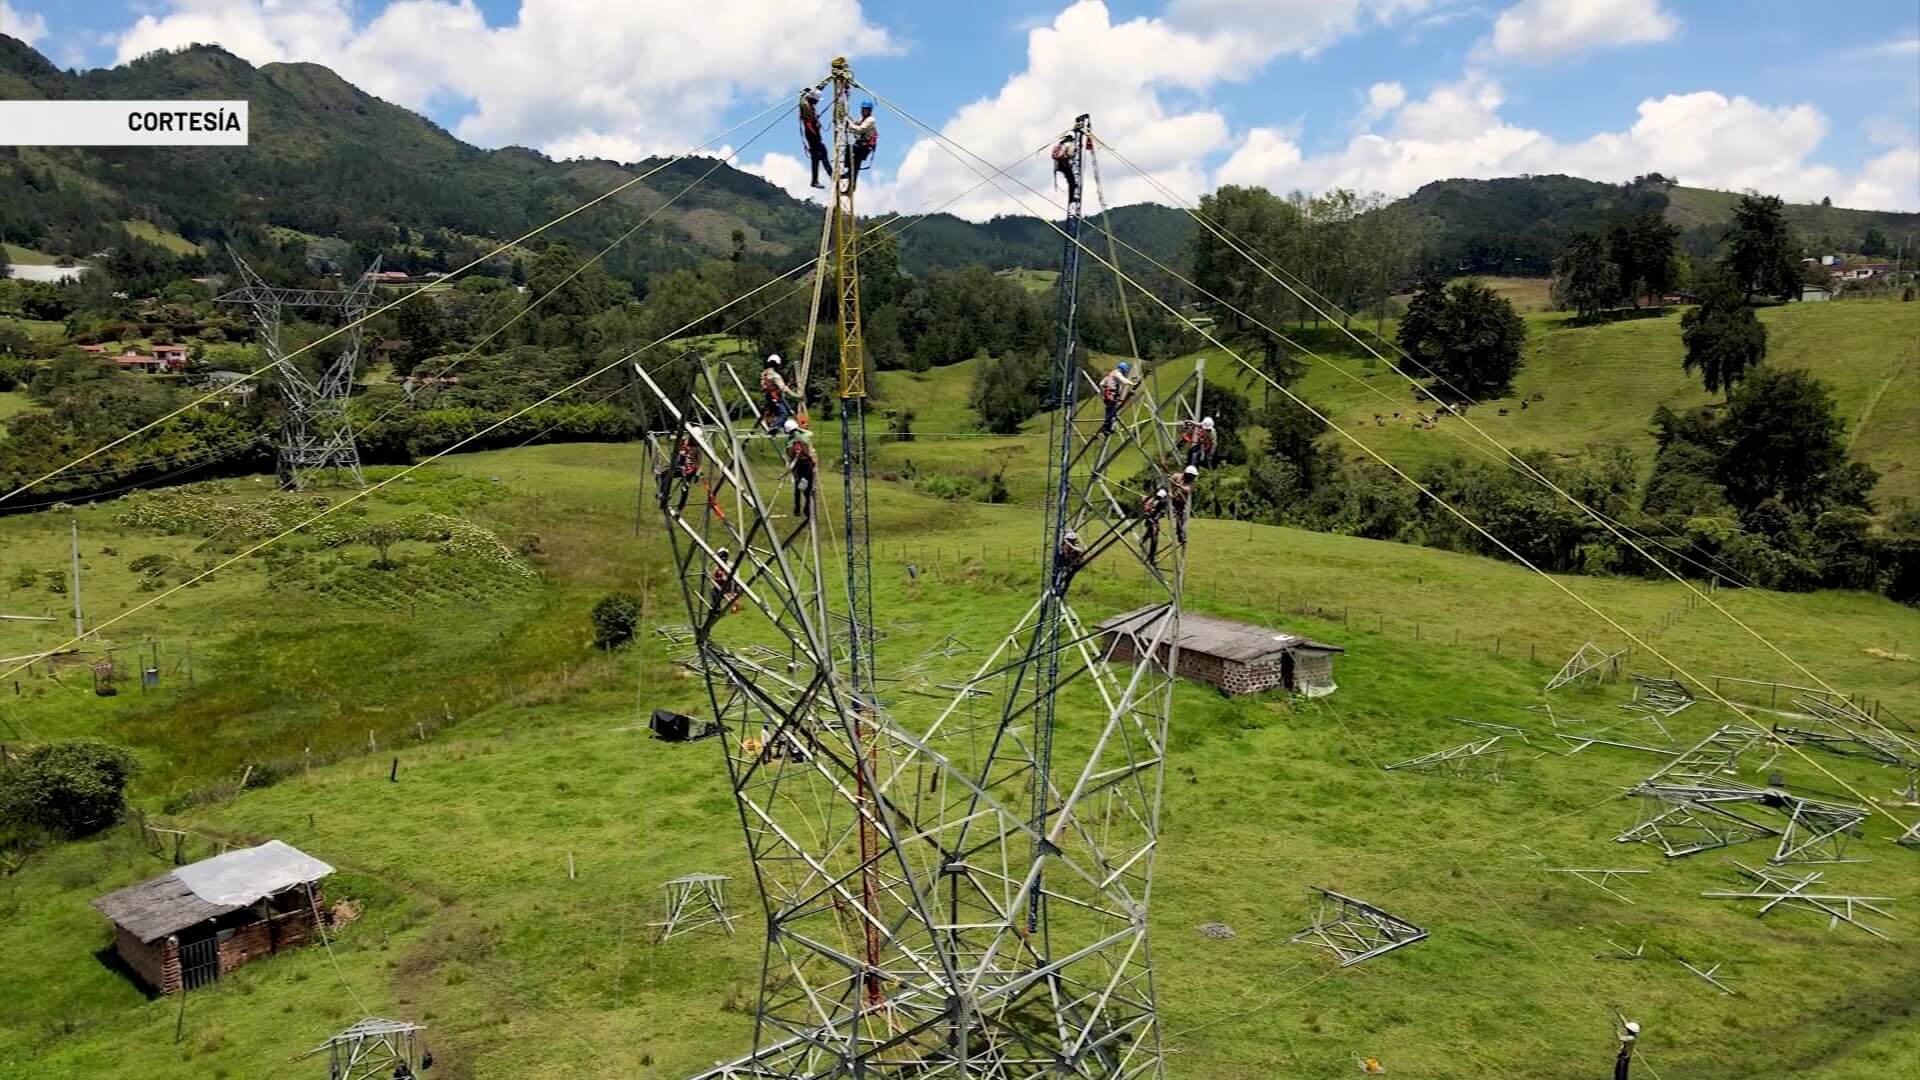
(1416,631)
(1496,648)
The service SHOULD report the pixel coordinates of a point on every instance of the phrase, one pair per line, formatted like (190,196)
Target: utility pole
(79,628)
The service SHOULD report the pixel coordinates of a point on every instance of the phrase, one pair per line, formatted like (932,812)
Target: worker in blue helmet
(863,138)
(1115,388)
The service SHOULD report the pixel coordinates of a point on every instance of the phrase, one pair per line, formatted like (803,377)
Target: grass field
(26,256)
(471,925)
(1036,281)
(1601,384)
(154,234)
(13,403)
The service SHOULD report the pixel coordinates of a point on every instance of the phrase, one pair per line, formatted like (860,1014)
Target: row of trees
(1637,259)
(1269,260)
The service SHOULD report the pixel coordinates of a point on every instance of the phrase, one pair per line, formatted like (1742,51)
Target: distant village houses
(159,360)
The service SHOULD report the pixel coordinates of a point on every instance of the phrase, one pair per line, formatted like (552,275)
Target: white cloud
(1082,61)
(1704,138)
(1140,76)
(25,25)
(1382,98)
(1269,28)
(599,77)
(1537,30)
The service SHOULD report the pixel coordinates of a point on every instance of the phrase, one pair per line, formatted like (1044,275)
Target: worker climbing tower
(315,434)
(950,888)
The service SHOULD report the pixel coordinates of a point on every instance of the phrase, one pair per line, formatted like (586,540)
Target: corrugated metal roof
(1224,638)
(209,888)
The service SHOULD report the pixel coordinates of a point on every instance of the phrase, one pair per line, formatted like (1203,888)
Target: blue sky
(1378,95)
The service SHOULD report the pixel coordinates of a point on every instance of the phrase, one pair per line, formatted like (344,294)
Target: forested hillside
(330,161)
(1518,225)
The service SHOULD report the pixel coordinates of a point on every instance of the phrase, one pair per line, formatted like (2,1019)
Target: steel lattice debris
(1354,930)
(1599,878)
(374,1049)
(1779,888)
(694,902)
(1468,761)
(1845,730)
(1588,659)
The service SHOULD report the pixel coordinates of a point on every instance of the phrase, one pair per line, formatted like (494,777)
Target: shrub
(615,619)
(64,790)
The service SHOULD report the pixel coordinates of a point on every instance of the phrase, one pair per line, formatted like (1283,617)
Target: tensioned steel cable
(1519,462)
(1418,486)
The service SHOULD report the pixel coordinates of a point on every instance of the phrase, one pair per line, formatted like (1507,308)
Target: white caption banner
(123,123)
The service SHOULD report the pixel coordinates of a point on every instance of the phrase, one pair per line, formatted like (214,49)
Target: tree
(1826,200)
(1874,243)
(63,790)
(1584,278)
(1293,436)
(1007,390)
(1785,440)
(14,342)
(1467,336)
(1642,248)
(1723,337)
(1763,256)
(382,538)
(423,326)
(615,618)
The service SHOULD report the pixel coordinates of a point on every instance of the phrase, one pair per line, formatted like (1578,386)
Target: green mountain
(329,160)
(1517,225)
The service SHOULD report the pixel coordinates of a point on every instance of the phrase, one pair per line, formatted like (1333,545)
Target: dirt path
(1866,414)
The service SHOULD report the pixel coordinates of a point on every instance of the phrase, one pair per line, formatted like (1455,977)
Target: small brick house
(1233,657)
(185,929)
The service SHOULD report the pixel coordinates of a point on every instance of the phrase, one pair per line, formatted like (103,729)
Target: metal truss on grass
(1776,888)
(1468,761)
(1688,818)
(1845,730)
(374,1049)
(1588,659)
(695,902)
(1601,879)
(1354,930)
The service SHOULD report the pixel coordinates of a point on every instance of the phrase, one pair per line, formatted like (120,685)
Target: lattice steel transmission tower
(316,434)
(953,888)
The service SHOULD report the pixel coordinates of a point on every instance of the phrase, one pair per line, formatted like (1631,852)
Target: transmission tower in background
(316,434)
(952,887)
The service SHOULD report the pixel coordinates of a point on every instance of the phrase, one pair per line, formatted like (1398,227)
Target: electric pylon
(316,433)
(943,897)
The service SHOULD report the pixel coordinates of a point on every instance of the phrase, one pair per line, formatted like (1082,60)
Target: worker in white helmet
(1180,500)
(1067,561)
(1152,509)
(1199,441)
(1629,1035)
(775,392)
(805,470)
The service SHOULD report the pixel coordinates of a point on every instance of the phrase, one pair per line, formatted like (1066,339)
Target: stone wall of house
(157,964)
(1311,669)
